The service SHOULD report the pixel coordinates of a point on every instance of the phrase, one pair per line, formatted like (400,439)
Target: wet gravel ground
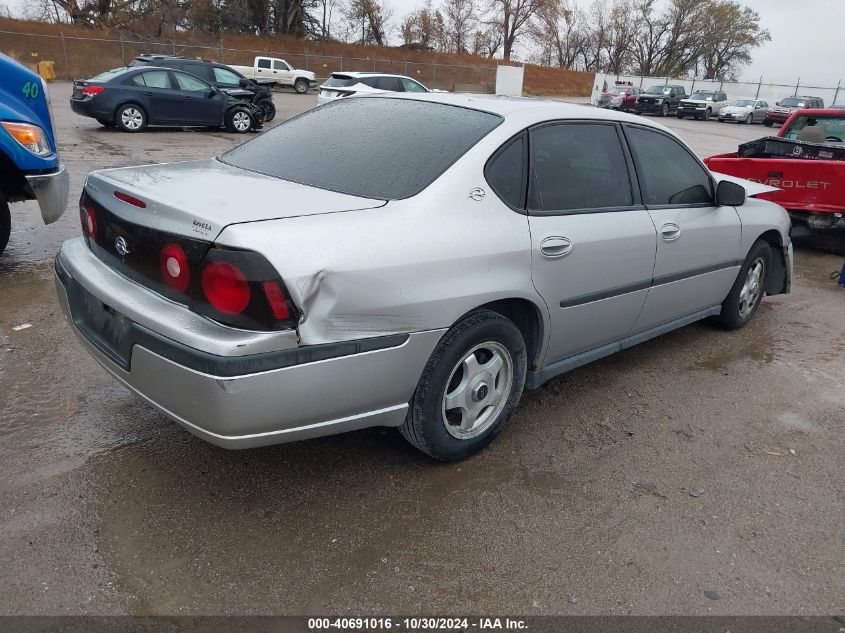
(699,473)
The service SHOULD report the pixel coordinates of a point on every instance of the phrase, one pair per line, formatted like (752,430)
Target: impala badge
(477,194)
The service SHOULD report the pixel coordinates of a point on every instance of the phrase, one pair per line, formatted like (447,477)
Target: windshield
(371,147)
(660,90)
(702,96)
(831,129)
(792,102)
(108,75)
(743,103)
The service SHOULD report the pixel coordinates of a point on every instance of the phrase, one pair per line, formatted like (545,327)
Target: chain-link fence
(760,89)
(80,58)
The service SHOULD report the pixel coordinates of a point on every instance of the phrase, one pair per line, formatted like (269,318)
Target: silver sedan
(407,261)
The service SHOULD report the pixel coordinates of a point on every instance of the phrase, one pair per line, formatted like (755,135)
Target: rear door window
(152,79)
(263,63)
(667,171)
(396,148)
(578,166)
(389,83)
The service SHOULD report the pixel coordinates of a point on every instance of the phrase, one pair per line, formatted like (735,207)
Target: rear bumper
(51,191)
(238,401)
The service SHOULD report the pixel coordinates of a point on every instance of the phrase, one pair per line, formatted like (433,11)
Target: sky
(808,38)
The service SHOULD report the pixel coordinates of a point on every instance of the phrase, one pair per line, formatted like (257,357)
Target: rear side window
(396,148)
(506,174)
(340,82)
(199,70)
(389,83)
(263,63)
(151,79)
(578,166)
(668,173)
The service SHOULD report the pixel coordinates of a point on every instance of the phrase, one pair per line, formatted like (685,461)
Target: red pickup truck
(806,162)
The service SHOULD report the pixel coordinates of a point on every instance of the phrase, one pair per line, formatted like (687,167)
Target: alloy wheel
(241,121)
(752,289)
(478,390)
(132,118)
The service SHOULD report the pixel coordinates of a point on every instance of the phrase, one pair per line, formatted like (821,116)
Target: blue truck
(29,157)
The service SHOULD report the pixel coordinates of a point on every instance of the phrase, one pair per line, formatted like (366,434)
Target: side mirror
(212,92)
(243,82)
(730,194)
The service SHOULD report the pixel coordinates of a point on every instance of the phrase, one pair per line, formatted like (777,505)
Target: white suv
(346,84)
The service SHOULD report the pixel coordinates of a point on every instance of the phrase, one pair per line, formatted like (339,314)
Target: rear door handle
(670,231)
(556,246)
(148,94)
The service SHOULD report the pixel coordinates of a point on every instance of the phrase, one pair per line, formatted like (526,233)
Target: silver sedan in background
(744,111)
(411,261)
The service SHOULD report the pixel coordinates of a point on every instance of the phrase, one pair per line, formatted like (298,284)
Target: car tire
(130,117)
(679,114)
(300,86)
(748,289)
(5,224)
(269,109)
(665,111)
(105,123)
(239,120)
(768,123)
(749,119)
(481,359)
(707,114)
(720,120)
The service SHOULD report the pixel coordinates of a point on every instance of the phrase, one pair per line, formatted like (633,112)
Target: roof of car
(355,74)
(535,108)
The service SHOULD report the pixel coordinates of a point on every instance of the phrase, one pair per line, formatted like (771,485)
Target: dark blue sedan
(133,98)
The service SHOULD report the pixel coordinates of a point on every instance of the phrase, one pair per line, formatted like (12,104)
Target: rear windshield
(371,147)
(660,90)
(703,96)
(340,82)
(108,75)
(742,103)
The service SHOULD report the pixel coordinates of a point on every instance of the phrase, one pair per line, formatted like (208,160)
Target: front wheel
(748,289)
(749,119)
(269,109)
(468,389)
(238,120)
(707,114)
(665,111)
(301,86)
(5,224)
(768,123)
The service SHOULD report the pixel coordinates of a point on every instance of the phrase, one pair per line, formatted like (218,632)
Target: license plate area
(106,328)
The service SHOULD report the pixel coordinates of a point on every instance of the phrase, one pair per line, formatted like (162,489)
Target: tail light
(91,91)
(88,219)
(242,289)
(175,269)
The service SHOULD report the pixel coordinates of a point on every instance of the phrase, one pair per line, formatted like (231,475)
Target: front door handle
(556,246)
(670,231)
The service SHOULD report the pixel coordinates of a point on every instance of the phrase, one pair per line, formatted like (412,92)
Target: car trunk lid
(198,199)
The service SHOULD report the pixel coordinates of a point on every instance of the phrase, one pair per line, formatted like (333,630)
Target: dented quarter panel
(757,217)
(411,265)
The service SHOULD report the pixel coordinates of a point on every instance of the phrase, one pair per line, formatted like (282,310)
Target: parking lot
(698,473)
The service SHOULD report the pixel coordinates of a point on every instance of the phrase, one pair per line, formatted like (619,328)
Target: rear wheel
(680,114)
(5,224)
(301,86)
(131,117)
(238,120)
(469,387)
(748,289)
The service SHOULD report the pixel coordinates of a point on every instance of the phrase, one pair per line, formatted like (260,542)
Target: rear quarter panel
(411,265)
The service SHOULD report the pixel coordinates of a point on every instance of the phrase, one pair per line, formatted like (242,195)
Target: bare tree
(369,19)
(558,28)
(487,41)
(511,17)
(460,21)
(733,32)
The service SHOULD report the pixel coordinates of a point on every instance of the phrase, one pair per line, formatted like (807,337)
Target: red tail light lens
(225,287)
(125,197)
(88,218)
(175,270)
(276,299)
(90,91)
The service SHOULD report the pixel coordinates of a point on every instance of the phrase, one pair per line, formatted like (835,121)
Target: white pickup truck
(273,68)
